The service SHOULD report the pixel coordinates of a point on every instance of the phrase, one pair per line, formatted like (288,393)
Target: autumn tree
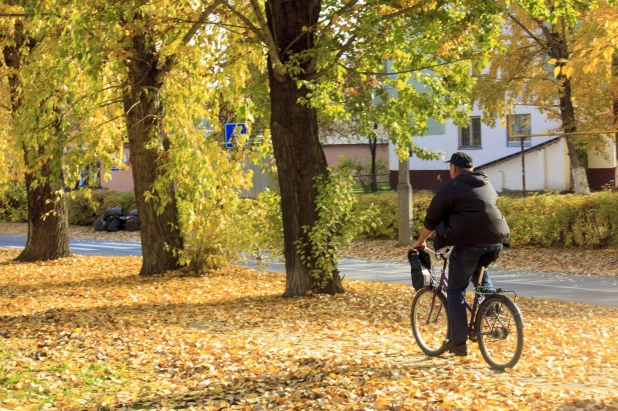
(177,76)
(58,106)
(306,42)
(596,54)
(143,42)
(10,152)
(37,129)
(535,66)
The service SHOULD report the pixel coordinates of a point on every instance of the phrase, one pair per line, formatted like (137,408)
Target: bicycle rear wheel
(430,323)
(500,332)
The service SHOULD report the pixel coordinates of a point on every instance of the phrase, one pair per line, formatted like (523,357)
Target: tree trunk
(567,114)
(559,50)
(144,112)
(298,151)
(48,216)
(373,148)
(614,89)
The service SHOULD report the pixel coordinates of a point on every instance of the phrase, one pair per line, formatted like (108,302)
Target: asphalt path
(82,246)
(566,287)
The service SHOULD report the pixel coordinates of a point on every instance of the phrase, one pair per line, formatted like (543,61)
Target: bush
(83,211)
(547,220)
(555,220)
(14,203)
(386,202)
(360,169)
(337,224)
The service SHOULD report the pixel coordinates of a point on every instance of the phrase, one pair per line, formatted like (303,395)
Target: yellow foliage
(527,70)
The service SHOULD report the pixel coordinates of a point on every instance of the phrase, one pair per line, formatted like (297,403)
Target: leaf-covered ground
(88,333)
(567,261)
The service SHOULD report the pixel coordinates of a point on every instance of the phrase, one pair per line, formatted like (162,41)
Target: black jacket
(464,212)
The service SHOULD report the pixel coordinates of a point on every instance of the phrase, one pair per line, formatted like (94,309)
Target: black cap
(460,160)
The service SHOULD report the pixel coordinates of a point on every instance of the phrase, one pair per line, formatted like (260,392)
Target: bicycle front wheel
(500,332)
(430,323)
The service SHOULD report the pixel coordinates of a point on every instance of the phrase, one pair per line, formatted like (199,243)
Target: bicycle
(495,322)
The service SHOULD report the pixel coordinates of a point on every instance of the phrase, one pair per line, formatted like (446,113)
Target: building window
(470,137)
(518,124)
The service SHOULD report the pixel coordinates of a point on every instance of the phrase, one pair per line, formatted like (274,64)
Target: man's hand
(419,245)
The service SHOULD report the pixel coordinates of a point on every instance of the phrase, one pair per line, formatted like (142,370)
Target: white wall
(493,141)
(546,169)
(596,160)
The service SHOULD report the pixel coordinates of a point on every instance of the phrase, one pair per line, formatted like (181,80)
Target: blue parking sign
(233,130)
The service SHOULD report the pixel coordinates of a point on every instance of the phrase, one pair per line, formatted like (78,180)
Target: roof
(514,155)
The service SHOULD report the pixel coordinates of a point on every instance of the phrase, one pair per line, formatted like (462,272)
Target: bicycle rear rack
(511,294)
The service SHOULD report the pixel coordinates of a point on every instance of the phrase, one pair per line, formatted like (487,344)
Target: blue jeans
(464,265)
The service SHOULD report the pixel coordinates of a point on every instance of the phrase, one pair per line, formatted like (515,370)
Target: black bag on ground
(420,262)
(131,223)
(116,224)
(98,224)
(115,211)
(107,221)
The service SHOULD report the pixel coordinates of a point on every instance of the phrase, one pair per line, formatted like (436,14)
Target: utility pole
(404,200)
(523,167)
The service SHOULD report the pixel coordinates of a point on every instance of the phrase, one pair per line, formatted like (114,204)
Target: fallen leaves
(87,333)
(566,261)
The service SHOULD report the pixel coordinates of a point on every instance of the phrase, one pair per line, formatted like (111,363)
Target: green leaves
(336,226)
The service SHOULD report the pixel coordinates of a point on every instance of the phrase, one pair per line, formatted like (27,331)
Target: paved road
(566,287)
(82,246)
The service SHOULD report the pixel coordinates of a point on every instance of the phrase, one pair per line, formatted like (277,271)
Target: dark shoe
(460,350)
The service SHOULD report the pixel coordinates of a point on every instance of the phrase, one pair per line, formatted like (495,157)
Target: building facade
(546,164)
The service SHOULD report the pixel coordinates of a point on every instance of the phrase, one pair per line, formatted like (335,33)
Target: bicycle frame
(442,287)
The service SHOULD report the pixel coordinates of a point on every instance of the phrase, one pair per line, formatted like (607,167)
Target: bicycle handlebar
(440,254)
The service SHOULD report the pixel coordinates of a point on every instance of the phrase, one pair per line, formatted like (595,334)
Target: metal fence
(364,181)
(261,180)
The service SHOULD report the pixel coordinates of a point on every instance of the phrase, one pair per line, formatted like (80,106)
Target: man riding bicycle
(464,214)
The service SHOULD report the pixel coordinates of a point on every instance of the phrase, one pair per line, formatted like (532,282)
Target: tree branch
(531,34)
(381,73)
(270,42)
(353,38)
(245,20)
(342,10)
(171,60)
(341,52)
(200,22)
(542,26)
(108,121)
(402,11)
(263,32)
(516,77)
